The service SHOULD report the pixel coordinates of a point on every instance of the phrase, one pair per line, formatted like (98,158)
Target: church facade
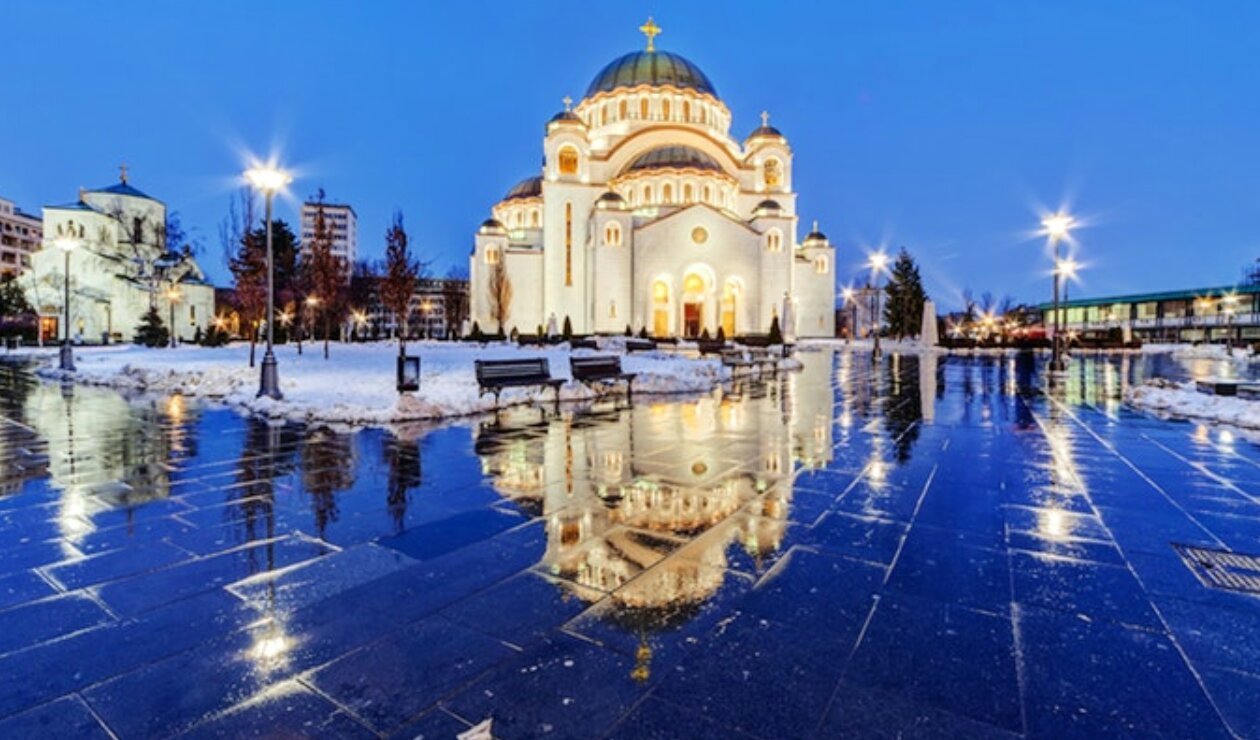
(119,267)
(647,214)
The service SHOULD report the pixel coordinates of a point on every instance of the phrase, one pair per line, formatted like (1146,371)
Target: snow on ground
(1170,398)
(356,385)
(1200,351)
(897,346)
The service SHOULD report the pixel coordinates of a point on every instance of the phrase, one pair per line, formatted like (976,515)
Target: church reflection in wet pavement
(932,547)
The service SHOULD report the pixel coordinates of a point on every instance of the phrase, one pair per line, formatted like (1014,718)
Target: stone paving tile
(65,718)
(654,719)
(944,656)
(39,621)
(1091,590)
(21,587)
(114,564)
(859,712)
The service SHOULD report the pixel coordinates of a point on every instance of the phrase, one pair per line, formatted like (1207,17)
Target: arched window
(688,194)
(643,108)
(622,107)
(568,244)
(612,309)
(660,308)
(665,109)
(772,173)
(820,264)
(519,218)
(612,235)
(603,115)
(707,195)
(774,240)
(686,110)
(647,195)
(667,193)
(568,160)
(492,255)
(693,284)
(704,114)
(660,292)
(533,218)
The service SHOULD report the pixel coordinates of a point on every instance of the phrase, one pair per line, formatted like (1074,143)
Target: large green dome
(650,68)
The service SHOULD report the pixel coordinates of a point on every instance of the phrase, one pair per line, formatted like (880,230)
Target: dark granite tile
(21,587)
(936,566)
(864,538)
(288,710)
(858,712)
(37,621)
(654,719)
(1076,587)
(65,718)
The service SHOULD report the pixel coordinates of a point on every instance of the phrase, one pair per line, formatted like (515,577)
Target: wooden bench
(711,346)
(583,343)
(640,345)
(495,375)
(1218,387)
(755,358)
(601,369)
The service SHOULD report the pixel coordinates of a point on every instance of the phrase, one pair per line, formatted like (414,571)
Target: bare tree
(399,283)
(500,289)
(328,273)
(247,260)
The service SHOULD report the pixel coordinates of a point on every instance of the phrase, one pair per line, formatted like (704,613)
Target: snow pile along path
(356,384)
(1169,398)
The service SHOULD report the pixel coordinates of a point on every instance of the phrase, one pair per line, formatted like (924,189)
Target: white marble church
(648,214)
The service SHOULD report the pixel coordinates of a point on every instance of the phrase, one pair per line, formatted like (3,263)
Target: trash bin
(408,373)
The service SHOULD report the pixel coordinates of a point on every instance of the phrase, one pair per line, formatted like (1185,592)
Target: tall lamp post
(1058,227)
(1065,269)
(849,295)
(172,297)
(878,262)
(67,244)
(269,180)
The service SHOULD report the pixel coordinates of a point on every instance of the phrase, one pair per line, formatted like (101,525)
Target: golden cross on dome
(651,30)
(122,172)
(568,103)
(765,118)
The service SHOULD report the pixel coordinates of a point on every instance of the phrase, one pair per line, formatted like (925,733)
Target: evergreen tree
(904,298)
(776,331)
(567,331)
(152,332)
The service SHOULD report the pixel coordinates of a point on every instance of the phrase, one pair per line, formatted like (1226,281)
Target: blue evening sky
(939,126)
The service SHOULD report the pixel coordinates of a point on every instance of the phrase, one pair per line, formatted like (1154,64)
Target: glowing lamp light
(312,300)
(878,262)
(66,243)
(1058,226)
(1068,268)
(268,178)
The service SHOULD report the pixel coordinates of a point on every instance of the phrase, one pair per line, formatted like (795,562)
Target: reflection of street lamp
(269,179)
(1058,227)
(68,244)
(849,294)
(172,297)
(878,262)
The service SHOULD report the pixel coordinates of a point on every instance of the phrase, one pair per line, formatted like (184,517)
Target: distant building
(21,234)
(438,308)
(1195,315)
(119,267)
(342,223)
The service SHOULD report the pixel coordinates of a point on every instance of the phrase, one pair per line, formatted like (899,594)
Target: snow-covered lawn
(356,385)
(1170,398)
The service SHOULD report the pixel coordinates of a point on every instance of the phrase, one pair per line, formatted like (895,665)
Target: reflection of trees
(403,459)
(262,459)
(18,462)
(905,408)
(327,468)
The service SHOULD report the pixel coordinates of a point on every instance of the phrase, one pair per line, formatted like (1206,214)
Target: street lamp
(878,262)
(269,179)
(1058,227)
(67,244)
(849,294)
(172,297)
(1065,272)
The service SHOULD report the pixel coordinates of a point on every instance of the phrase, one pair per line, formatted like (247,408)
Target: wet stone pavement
(934,548)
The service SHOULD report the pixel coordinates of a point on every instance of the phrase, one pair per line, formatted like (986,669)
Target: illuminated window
(533,218)
(643,107)
(622,109)
(520,218)
(660,291)
(612,235)
(686,110)
(820,264)
(665,109)
(772,173)
(603,115)
(774,241)
(707,197)
(492,256)
(568,160)
(667,193)
(693,284)
(568,244)
(704,114)
(647,194)
(688,194)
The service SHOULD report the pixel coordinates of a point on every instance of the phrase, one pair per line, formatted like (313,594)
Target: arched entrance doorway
(693,305)
(732,292)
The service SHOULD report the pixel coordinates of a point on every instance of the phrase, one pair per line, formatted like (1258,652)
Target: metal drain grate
(1223,569)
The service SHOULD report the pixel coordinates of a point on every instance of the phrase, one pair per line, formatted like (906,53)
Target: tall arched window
(686,110)
(612,235)
(533,218)
(660,308)
(774,240)
(707,195)
(603,115)
(622,109)
(667,193)
(688,194)
(665,109)
(647,195)
(772,173)
(643,108)
(821,264)
(492,255)
(568,244)
(704,114)
(568,160)
(519,217)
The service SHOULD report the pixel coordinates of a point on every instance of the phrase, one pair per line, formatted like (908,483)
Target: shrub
(152,332)
(776,333)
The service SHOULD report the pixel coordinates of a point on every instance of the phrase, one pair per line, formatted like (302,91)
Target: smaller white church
(648,214)
(119,266)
